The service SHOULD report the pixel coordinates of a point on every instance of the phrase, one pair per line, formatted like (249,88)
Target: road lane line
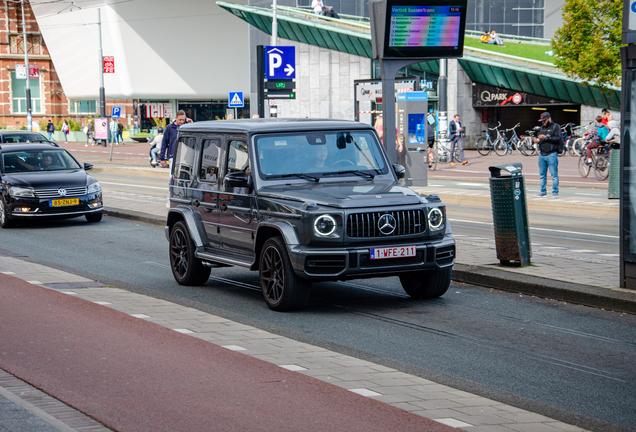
(541,229)
(133,185)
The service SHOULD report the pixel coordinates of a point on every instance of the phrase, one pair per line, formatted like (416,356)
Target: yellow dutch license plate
(64,202)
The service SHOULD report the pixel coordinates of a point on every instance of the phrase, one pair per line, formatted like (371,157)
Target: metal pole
(274,26)
(443,105)
(102,93)
(28,72)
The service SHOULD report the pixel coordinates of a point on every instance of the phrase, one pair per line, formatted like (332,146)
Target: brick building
(48,100)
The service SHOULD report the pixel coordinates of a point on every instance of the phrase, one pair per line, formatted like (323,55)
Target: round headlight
(324,225)
(435,218)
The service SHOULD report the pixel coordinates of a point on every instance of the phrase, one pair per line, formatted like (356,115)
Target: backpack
(120,127)
(51,128)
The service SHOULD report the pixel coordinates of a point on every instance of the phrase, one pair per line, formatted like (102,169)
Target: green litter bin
(510,214)
(614,184)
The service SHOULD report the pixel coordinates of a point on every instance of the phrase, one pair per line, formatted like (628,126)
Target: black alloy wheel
(5,222)
(427,284)
(282,289)
(186,268)
(94,217)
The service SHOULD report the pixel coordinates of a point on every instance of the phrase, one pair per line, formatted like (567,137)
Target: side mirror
(88,166)
(400,172)
(236,179)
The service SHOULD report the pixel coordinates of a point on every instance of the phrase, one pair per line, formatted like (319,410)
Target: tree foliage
(587,46)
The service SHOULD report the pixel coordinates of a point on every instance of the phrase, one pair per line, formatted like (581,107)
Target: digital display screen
(431,30)
(424,26)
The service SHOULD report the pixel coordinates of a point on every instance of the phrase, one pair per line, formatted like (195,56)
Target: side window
(210,164)
(185,158)
(237,160)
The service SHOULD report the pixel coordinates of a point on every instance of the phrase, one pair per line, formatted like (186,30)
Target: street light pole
(102,93)
(28,72)
(274,26)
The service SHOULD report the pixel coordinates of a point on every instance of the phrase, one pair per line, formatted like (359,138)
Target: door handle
(223,206)
(195,202)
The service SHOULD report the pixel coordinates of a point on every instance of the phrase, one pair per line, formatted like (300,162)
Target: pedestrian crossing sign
(236,100)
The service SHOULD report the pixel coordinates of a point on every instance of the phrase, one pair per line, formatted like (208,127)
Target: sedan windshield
(37,160)
(320,154)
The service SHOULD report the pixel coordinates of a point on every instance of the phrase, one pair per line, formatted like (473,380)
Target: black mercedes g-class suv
(301,200)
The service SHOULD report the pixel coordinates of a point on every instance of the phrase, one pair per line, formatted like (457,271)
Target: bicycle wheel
(484,147)
(526,146)
(570,146)
(583,169)
(501,147)
(432,160)
(578,146)
(601,169)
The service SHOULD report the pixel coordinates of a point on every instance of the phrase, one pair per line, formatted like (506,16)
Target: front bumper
(23,207)
(354,262)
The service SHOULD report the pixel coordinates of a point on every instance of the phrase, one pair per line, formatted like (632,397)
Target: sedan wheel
(5,222)
(186,267)
(282,289)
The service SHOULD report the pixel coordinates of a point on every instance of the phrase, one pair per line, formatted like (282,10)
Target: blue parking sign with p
(116,112)
(280,62)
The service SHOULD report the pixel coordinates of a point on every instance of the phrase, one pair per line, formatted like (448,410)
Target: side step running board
(206,256)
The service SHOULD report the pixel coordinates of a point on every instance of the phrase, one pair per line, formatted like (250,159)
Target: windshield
(37,160)
(319,154)
(23,138)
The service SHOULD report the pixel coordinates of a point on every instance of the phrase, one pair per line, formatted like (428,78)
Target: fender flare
(192,221)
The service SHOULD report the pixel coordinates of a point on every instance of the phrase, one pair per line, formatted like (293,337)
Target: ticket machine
(412,109)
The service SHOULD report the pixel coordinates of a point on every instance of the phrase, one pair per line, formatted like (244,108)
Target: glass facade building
(512,17)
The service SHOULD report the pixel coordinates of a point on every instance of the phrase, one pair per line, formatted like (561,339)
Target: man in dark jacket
(549,139)
(50,128)
(170,137)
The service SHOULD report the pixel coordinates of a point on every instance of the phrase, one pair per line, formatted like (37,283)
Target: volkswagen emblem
(386,224)
(61,192)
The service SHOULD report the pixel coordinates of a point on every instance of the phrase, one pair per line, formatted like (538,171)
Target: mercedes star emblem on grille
(386,224)
(61,192)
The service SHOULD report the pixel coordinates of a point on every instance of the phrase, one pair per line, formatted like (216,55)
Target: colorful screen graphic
(424,26)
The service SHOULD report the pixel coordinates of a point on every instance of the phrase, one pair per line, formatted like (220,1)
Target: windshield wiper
(299,175)
(356,172)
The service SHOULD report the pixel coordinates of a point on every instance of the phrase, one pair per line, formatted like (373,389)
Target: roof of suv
(272,125)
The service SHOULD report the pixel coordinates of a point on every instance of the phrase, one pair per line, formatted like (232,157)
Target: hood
(47,179)
(345,195)
(612,124)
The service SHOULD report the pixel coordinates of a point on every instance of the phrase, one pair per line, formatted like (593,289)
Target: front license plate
(64,202)
(392,252)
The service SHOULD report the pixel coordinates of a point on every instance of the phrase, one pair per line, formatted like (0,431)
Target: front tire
(282,289)
(427,284)
(94,217)
(501,148)
(602,167)
(5,222)
(187,269)
(483,146)
(584,170)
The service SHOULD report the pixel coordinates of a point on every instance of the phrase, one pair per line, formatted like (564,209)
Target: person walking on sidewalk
(120,132)
(549,139)
(88,130)
(66,128)
(50,128)
(456,140)
(113,132)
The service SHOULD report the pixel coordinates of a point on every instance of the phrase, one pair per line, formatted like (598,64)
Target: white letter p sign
(275,61)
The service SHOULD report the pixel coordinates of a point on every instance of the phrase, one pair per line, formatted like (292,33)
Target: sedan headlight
(94,188)
(435,218)
(21,192)
(324,225)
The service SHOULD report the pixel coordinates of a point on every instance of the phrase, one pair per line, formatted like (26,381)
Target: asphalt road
(569,362)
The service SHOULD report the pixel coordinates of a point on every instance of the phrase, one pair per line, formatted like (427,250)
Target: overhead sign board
(419,29)
(235,100)
(280,62)
(629,21)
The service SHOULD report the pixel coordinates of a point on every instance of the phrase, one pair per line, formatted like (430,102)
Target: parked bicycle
(485,144)
(600,162)
(565,137)
(528,142)
(506,145)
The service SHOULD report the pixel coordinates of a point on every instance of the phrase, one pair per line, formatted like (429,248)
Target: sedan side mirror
(400,172)
(88,166)
(236,179)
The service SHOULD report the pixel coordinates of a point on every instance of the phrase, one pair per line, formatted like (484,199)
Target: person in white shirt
(113,132)
(317,6)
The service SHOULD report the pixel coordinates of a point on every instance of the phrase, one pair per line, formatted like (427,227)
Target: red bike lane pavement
(133,375)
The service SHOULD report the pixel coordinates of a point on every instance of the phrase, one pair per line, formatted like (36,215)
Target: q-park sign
(280,62)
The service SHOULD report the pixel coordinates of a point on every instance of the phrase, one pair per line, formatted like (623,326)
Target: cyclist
(598,136)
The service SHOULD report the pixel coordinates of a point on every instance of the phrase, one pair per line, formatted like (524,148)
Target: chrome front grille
(360,225)
(54,193)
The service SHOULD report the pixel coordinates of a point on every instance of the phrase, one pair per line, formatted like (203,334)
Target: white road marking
(184,331)
(453,422)
(234,348)
(540,229)
(165,188)
(582,251)
(139,316)
(587,194)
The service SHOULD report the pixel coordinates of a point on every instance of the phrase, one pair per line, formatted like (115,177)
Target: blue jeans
(113,137)
(550,161)
(50,136)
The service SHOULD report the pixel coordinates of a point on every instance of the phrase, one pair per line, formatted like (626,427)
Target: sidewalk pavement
(81,356)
